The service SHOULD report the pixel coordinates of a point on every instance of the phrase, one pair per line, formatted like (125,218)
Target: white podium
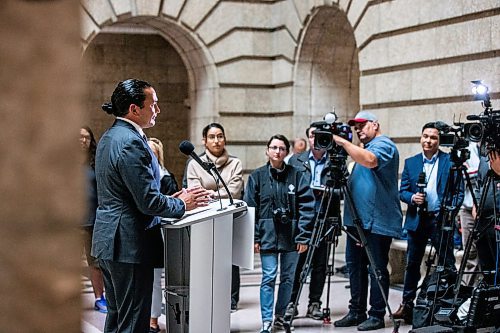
(199,251)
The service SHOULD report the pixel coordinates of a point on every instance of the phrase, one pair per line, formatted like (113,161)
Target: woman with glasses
(284,212)
(230,169)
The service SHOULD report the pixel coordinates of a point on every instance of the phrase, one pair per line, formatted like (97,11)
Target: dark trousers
(358,265)
(235,285)
(128,291)
(417,241)
(318,273)
(486,250)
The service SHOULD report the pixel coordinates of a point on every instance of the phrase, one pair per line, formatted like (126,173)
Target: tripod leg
(330,258)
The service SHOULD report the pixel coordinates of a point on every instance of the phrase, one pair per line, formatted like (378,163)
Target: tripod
(447,213)
(476,232)
(337,182)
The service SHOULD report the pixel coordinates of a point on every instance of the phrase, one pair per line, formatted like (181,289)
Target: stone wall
(267,66)
(112,58)
(41,178)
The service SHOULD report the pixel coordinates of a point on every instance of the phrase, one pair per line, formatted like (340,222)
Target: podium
(199,251)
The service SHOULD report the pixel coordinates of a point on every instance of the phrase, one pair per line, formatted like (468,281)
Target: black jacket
(269,189)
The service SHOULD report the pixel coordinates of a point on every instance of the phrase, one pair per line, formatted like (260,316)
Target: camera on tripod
(323,138)
(487,129)
(281,215)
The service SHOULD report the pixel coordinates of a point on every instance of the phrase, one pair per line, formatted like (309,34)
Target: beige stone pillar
(41,184)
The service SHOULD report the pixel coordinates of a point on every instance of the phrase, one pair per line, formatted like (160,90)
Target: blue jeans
(417,241)
(288,264)
(358,265)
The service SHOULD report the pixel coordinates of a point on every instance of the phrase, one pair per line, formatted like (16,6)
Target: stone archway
(327,69)
(173,60)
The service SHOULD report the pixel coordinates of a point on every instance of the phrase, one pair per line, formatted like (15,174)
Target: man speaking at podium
(127,238)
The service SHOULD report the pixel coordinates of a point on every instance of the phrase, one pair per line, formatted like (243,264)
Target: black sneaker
(290,311)
(314,311)
(351,319)
(372,323)
(234,307)
(279,324)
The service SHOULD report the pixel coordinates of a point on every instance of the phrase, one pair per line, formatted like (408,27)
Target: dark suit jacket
(130,203)
(413,167)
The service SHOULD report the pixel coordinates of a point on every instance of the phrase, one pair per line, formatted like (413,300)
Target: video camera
(323,138)
(487,129)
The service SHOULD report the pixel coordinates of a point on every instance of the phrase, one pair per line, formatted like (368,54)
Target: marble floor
(247,318)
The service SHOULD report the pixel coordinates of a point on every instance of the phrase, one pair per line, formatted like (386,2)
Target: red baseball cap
(362,117)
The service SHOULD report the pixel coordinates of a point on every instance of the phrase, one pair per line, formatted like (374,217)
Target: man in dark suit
(127,238)
(422,214)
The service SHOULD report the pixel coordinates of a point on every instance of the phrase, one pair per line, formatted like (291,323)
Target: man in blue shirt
(374,188)
(421,224)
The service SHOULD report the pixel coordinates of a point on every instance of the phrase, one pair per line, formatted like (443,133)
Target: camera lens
(474,132)
(324,141)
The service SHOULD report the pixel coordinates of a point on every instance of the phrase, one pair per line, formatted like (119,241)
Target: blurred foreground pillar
(41,200)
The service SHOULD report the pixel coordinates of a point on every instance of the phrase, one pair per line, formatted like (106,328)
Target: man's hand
(256,248)
(301,248)
(418,198)
(193,197)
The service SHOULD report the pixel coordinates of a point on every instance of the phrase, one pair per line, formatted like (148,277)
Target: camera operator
(487,246)
(314,164)
(284,211)
(374,187)
(421,223)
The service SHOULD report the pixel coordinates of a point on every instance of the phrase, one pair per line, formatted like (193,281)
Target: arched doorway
(327,69)
(172,60)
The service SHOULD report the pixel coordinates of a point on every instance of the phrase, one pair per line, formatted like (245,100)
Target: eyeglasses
(281,149)
(218,137)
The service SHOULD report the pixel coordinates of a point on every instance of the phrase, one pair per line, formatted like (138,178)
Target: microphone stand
(215,172)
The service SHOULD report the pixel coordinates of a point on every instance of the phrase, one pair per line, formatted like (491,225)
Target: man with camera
(373,186)
(314,164)
(423,185)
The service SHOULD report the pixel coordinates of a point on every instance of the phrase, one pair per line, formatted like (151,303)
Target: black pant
(359,270)
(318,273)
(235,285)
(486,251)
(128,292)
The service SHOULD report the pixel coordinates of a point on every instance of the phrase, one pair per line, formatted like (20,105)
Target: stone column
(41,181)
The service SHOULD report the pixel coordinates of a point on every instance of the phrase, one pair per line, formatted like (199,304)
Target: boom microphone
(473,117)
(187,148)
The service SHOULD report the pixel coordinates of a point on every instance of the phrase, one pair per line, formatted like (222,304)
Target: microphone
(187,148)
(421,185)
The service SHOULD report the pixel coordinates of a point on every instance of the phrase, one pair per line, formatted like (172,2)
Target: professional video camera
(487,129)
(323,138)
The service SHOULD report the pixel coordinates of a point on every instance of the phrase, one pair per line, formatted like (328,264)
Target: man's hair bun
(108,107)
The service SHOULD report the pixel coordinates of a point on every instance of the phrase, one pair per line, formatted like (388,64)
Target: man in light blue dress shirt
(422,224)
